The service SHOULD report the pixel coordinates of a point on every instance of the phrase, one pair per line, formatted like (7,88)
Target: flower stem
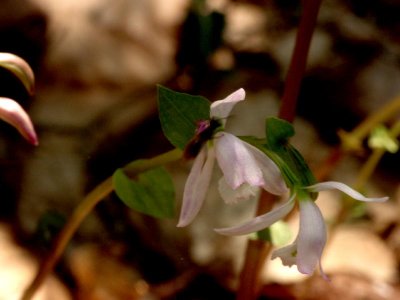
(79,214)
(299,59)
(84,208)
(256,254)
(257,251)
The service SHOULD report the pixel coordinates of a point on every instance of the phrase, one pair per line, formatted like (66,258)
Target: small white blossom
(245,168)
(306,251)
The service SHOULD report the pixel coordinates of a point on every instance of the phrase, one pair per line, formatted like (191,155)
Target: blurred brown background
(97,63)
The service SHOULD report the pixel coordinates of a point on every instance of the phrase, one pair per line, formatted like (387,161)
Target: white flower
(244,167)
(306,251)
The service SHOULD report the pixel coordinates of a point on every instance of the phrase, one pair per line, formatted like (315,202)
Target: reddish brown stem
(299,59)
(257,251)
(329,164)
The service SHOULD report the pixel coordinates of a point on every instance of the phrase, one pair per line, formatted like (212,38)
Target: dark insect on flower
(204,132)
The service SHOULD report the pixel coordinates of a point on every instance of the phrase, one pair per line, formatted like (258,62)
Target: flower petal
(243,192)
(260,222)
(236,161)
(14,114)
(221,109)
(287,254)
(334,185)
(196,185)
(20,68)
(312,237)
(273,180)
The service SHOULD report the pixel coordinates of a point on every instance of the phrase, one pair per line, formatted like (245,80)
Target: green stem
(84,208)
(372,162)
(363,177)
(353,140)
(257,252)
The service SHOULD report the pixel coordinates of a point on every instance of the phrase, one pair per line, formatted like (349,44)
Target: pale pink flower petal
(14,114)
(243,192)
(196,185)
(20,68)
(221,109)
(287,254)
(312,237)
(273,180)
(260,222)
(236,162)
(334,185)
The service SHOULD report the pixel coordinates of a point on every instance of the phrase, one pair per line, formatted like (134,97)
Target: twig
(84,208)
(257,251)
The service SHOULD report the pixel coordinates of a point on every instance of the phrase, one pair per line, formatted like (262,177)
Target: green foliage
(179,113)
(276,146)
(380,138)
(152,193)
(278,133)
(278,234)
(291,162)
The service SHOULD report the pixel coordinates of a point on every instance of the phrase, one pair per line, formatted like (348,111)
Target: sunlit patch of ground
(112,42)
(17,270)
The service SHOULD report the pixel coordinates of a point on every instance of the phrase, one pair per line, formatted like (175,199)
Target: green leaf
(380,138)
(179,113)
(292,164)
(278,132)
(278,234)
(152,193)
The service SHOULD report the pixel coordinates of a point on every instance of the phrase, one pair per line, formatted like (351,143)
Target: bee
(204,132)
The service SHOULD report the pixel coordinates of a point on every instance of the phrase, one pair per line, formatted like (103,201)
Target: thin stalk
(256,254)
(257,251)
(83,210)
(372,162)
(299,59)
(353,140)
(380,116)
(65,235)
(363,176)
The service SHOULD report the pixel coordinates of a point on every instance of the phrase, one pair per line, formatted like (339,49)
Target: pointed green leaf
(278,132)
(152,193)
(179,114)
